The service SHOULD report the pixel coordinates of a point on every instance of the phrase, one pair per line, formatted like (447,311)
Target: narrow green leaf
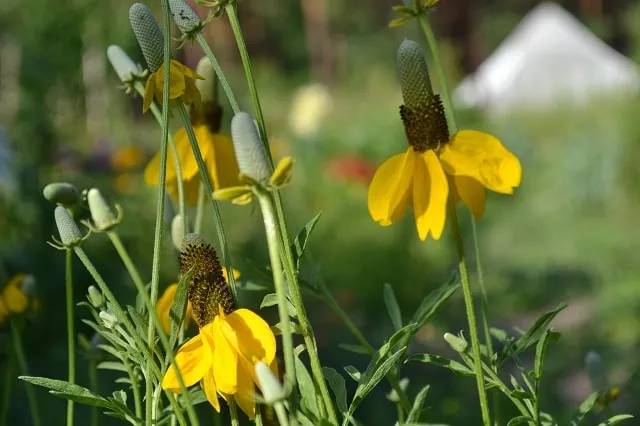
(522,395)
(110,365)
(301,240)
(139,322)
(393,309)
(372,377)
(433,302)
(306,386)
(338,386)
(402,337)
(353,372)
(271,299)
(69,391)
(520,420)
(616,419)
(584,409)
(354,348)
(416,410)
(541,349)
(450,364)
(399,21)
(178,308)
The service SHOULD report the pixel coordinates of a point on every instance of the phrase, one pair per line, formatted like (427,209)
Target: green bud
(67,228)
(457,343)
(122,63)
(177,231)
(109,320)
(272,389)
(413,73)
(103,217)
(62,193)
(148,34)
(209,86)
(186,19)
(95,297)
(252,160)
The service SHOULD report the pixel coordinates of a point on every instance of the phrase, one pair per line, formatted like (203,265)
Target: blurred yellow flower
(182,85)
(126,158)
(436,167)
(222,358)
(163,306)
(217,153)
(12,298)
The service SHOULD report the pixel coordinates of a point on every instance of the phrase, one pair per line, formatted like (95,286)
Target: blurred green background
(570,233)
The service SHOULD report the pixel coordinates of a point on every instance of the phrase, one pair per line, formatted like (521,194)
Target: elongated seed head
(122,63)
(252,160)
(184,17)
(67,228)
(148,34)
(413,73)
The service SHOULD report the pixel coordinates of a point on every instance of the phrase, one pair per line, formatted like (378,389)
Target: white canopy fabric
(549,56)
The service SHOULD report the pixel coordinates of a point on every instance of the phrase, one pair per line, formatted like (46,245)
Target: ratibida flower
(436,167)
(13,299)
(230,341)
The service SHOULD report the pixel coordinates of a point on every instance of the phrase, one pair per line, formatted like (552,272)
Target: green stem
(93,385)
(233,412)
(7,391)
(248,72)
(176,159)
(473,329)
(206,179)
(221,76)
(271,231)
(24,371)
(505,390)
(120,314)
(281,413)
(164,340)
(71,335)
(135,388)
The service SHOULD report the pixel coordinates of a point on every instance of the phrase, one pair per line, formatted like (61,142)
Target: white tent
(549,56)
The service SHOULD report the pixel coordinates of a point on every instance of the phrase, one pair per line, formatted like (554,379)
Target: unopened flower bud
(103,217)
(186,19)
(67,228)
(109,320)
(62,193)
(252,160)
(413,73)
(95,297)
(148,34)
(596,372)
(208,86)
(272,389)
(177,231)
(457,343)
(122,63)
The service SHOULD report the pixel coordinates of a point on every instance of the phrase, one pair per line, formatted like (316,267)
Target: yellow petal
(470,192)
(191,94)
(390,188)
(186,70)
(176,81)
(189,163)
(225,359)
(149,92)
(210,389)
(4,311)
(481,156)
(245,396)
(163,306)
(250,336)
(15,300)
(236,274)
(193,359)
(430,192)
(225,170)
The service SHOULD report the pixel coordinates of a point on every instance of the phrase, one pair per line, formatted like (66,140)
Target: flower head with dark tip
(230,342)
(436,166)
(182,79)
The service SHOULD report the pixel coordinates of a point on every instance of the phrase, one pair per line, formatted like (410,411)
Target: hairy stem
(71,335)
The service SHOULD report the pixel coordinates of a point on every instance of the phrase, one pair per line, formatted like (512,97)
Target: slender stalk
(233,412)
(473,328)
(199,209)
(135,388)
(126,259)
(93,385)
(7,391)
(206,179)
(271,231)
(176,159)
(140,344)
(248,72)
(221,76)
(281,413)
(71,335)
(24,371)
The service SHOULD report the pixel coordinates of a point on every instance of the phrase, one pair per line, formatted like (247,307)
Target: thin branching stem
(218,70)
(71,335)
(24,371)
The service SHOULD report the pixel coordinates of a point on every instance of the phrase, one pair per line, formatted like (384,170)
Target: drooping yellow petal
(483,157)
(470,192)
(176,81)
(210,389)
(205,142)
(225,171)
(430,192)
(163,306)
(390,188)
(191,94)
(245,396)
(149,93)
(236,274)
(194,358)
(186,70)
(250,336)
(15,300)
(225,359)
